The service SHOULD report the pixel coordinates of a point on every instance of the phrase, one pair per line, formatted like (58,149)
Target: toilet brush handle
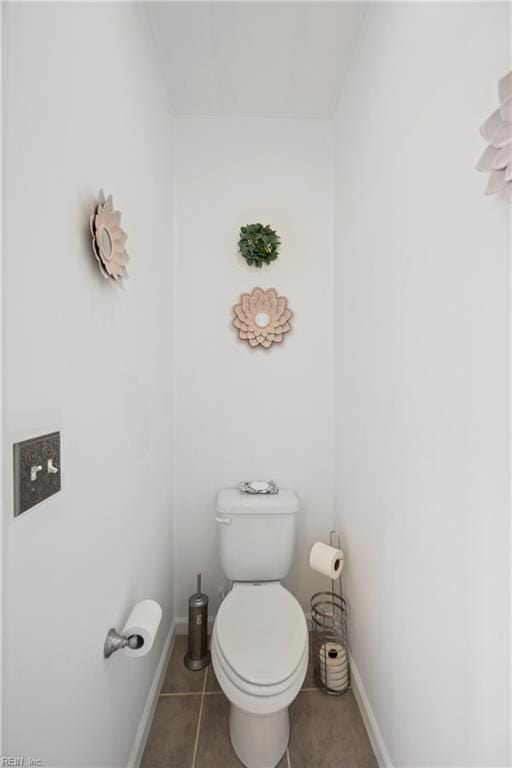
(198,583)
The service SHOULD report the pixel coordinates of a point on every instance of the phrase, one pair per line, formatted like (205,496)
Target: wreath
(258,244)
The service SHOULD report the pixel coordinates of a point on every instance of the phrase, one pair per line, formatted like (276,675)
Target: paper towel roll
(143,621)
(326,560)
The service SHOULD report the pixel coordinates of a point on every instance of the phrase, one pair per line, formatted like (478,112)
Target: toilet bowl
(260,655)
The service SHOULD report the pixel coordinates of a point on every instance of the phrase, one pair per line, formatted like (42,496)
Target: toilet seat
(261,634)
(245,615)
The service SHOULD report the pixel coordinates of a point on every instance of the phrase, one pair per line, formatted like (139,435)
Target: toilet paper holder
(329,635)
(114,641)
(137,636)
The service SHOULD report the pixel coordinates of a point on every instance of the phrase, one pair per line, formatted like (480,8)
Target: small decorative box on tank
(36,471)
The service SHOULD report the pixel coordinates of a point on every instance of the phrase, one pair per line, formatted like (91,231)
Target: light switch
(36,471)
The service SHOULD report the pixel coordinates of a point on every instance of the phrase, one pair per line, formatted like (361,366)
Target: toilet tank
(256,534)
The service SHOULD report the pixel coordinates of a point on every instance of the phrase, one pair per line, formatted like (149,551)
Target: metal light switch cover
(36,470)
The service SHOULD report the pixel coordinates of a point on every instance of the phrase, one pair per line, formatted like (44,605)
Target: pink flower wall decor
(497,130)
(108,240)
(262,317)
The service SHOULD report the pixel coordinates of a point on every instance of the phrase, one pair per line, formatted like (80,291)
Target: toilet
(260,643)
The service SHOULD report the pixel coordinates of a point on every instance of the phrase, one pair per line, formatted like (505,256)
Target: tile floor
(190,727)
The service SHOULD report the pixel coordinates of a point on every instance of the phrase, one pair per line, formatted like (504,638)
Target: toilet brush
(198,655)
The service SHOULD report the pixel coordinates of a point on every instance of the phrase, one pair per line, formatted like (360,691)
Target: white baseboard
(369,719)
(152,700)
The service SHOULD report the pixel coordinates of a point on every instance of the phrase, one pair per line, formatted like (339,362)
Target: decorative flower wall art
(497,130)
(262,317)
(108,240)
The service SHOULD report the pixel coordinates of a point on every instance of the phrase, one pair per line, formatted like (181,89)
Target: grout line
(196,742)
(181,693)
(288,761)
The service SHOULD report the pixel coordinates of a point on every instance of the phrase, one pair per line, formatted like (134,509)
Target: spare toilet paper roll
(335,683)
(143,621)
(326,560)
(333,664)
(333,655)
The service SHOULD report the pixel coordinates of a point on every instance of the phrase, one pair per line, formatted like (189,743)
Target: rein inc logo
(21,762)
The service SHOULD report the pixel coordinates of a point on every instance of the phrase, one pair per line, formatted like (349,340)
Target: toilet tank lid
(231,501)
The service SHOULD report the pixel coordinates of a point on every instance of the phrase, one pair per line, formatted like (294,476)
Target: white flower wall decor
(497,130)
(108,240)
(262,317)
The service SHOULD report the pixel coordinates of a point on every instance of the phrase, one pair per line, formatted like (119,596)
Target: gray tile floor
(190,727)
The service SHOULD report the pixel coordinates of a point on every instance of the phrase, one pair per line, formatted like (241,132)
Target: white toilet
(260,638)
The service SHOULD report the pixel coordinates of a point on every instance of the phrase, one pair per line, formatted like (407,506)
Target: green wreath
(258,244)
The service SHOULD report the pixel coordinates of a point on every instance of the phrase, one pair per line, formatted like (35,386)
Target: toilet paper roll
(333,655)
(333,664)
(326,560)
(335,683)
(143,622)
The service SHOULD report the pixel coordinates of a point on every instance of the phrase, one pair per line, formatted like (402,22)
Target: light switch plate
(36,471)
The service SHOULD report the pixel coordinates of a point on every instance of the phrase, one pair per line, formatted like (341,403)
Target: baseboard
(369,719)
(152,700)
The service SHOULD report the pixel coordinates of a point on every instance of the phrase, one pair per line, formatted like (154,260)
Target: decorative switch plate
(36,471)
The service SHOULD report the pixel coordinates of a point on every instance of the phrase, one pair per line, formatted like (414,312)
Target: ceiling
(269,59)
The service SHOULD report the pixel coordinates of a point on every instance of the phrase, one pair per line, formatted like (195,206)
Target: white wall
(84,108)
(239,412)
(2,522)
(422,382)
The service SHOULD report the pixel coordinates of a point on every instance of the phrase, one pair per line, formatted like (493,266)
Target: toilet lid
(262,632)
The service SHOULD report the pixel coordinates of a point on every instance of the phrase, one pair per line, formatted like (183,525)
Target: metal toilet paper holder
(329,628)
(114,641)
